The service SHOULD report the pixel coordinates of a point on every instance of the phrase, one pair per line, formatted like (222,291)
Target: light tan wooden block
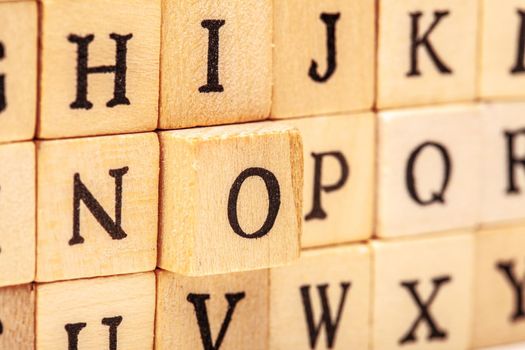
(99,67)
(17,317)
(339,155)
(427,52)
(423,291)
(226,312)
(18,70)
(322,301)
(324,57)
(97,206)
(428,170)
(102,313)
(230,198)
(17,213)
(216,62)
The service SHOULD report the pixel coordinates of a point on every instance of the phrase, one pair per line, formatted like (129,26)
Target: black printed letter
(3,103)
(520,67)
(507,269)
(213,26)
(330,21)
(113,323)
(73,329)
(512,160)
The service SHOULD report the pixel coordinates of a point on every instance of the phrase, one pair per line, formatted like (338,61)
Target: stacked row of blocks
(130,220)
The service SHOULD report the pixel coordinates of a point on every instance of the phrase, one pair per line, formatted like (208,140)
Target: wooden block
(324,57)
(339,154)
(17,213)
(18,70)
(226,312)
(216,62)
(427,52)
(99,67)
(17,317)
(97,206)
(423,292)
(92,314)
(322,301)
(428,170)
(230,198)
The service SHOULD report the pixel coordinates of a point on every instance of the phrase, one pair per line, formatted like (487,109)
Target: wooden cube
(17,317)
(216,62)
(423,292)
(99,67)
(93,314)
(428,170)
(324,56)
(230,198)
(97,206)
(338,195)
(226,312)
(322,301)
(421,58)
(18,70)
(17,213)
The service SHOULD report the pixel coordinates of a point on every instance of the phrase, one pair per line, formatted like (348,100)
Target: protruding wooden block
(230,198)
(324,57)
(17,213)
(101,313)
(97,206)
(423,292)
(229,311)
(17,317)
(428,170)
(99,67)
(322,301)
(216,62)
(427,52)
(18,70)
(339,154)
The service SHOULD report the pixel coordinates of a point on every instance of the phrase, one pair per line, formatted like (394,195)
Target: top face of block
(427,52)
(99,67)
(216,62)
(323,57)
(230,198)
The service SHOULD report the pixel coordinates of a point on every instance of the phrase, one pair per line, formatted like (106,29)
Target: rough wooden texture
(90,167)
(243,62)
(17,317)
(333,284)
(93,302)
(302,37)
(230,198)
(59,58)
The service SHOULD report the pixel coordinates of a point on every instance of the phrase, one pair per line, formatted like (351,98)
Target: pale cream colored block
(339,186)
(305,81)
(108,238)
(17,317)
(437,272)
(226,312)
(417,149)
(452,37)
(102,313)
(60,67)
(230,198)
(322,301)
(198,56)
(17,213)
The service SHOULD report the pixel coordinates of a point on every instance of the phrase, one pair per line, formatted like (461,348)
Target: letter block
(99,67)
(216,62)
(18,70)
(339,155)
(324,57)
(322,301)
(98,217)
(428,170)
(423,290)
(427,52)
(17,317)
(230,198)
(224,312)
(92,314)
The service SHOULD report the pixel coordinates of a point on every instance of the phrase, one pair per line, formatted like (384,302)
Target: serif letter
(73,331)
(213,26)
(3,103)
(507,269)
(512,159)
(330,21)
(519,67)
